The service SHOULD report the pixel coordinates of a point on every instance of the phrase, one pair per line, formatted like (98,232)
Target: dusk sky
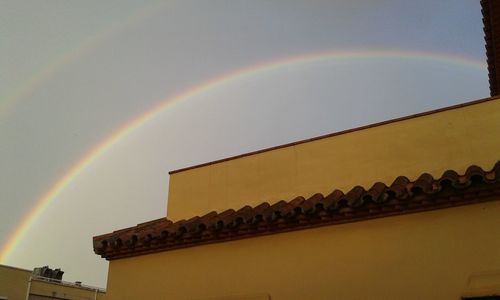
(218,78)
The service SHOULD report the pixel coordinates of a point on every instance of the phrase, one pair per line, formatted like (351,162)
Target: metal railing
(76,284)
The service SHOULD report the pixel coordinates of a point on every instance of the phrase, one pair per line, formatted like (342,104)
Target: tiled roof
(491,21)
(401,197)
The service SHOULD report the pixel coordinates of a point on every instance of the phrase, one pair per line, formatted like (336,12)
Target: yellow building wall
(451,139)
(52,289)
(14,282)
(441,254)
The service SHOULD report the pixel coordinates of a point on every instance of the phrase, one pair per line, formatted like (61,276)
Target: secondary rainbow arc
(52,67)
(97,151)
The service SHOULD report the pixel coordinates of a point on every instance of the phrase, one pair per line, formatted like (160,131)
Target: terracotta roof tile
(491,21)
(375,193)
(401,197)
(424,183)
(398,189)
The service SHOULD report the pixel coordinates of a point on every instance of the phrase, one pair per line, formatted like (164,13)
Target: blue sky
(72,73)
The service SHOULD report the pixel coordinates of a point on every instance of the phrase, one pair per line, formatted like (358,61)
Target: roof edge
(417,115)
(15,268)
(426,193)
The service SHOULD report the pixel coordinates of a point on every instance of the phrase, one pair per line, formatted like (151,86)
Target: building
(403,209)
(42,283)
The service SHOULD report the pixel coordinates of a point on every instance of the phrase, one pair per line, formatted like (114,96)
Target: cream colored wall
(429,255)
(13,282)
(44,288)
(14,286)
(452,139)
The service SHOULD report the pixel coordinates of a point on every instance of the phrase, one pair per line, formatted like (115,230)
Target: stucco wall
(430,255)
(427,255)
(452,139)
(13,282)
(14,286)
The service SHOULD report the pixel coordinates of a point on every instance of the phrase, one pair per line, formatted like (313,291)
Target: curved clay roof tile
(310,204)
(353,197)
(424,183)
(295,205)
(398,188)
(475,174)
(331,201)
(376,193)
(474,186)
(449,179)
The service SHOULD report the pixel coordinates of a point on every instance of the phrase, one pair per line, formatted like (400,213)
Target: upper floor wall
(452,138)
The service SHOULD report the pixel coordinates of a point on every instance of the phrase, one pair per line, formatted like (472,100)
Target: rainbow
(203,87)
